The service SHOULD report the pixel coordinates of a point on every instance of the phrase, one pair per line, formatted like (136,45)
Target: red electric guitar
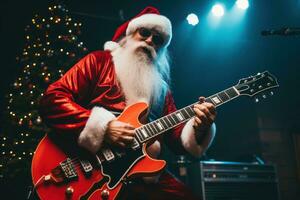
(61,175)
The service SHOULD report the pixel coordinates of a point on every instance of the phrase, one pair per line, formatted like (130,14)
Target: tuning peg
(271,93)
(264,96)
(256,100)
(258,73)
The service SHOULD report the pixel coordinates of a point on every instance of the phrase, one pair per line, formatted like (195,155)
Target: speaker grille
(238,181)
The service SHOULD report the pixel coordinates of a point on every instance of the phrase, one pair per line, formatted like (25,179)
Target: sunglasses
(157,38)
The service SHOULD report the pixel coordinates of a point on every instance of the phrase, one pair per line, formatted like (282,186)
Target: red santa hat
(148,18)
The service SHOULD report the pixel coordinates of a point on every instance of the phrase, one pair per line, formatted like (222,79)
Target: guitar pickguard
(95,187)
(119,167)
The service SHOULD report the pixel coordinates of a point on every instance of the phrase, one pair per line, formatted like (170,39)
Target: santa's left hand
(205,115)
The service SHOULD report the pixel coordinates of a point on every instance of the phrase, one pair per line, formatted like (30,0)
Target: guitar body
(47,157)
(57,175)
(105,181)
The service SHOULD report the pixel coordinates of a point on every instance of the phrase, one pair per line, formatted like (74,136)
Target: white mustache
(147,47)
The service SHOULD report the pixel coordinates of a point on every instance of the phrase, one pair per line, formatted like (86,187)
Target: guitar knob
(105,194)
(256,100)
(69,191)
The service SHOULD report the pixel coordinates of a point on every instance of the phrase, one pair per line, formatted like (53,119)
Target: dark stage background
(205,60)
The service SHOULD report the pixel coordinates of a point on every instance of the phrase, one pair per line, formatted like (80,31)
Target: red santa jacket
(68,103)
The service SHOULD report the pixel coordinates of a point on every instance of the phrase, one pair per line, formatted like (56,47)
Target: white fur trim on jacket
(189,142)
(92,135)
(158,22)
(111,45)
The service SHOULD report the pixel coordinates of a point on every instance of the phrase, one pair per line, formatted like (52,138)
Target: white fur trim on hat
(189,142)
(111,45)
(158,22)
(92,135)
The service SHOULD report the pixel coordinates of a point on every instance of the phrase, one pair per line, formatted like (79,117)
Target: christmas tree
(51,47)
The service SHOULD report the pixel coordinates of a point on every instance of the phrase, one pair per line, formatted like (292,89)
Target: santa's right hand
(119,133)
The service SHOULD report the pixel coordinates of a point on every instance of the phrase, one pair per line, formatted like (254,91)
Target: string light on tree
(49,41)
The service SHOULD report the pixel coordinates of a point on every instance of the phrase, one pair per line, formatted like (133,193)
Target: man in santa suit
(82,106)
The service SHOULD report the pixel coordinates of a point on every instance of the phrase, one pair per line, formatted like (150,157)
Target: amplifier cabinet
(238,181)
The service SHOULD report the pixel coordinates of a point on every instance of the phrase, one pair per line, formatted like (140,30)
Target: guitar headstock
(259,83)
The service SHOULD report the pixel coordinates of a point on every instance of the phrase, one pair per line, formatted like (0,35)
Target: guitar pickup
(108,154)
(86,167)
(135,145)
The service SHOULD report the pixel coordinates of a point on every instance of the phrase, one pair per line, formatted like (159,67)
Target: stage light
(218,10)
(242,4)
(192,19)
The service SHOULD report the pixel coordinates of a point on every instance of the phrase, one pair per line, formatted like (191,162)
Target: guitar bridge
(65,171)
(68,169)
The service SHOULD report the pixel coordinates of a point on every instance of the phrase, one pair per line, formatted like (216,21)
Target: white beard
(136,72)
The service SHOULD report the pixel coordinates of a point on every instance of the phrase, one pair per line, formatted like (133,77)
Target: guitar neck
(161,125)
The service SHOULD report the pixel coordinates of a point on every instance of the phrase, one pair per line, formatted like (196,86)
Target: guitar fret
(159,125)
(226,95)
(169,124)
(152,125)
(175,118)
(185,114)
(173,122)
(151,132)
(165,126)
(223,96)
(231,92)
(145,128)
(179,116)
(144,132)
(170,118)
(216,99)
(140,135)
(190,111)
(209,100)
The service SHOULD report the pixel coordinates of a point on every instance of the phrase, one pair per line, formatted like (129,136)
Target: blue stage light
(192,19)
(242,4)
(218,10)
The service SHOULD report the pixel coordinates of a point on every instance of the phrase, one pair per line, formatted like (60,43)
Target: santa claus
(84,103)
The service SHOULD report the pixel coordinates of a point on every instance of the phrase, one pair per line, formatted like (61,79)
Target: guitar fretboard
(155,128)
